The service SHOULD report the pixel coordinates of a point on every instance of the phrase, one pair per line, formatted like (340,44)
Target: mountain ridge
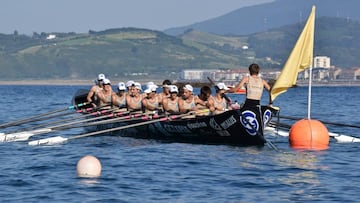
(261,17)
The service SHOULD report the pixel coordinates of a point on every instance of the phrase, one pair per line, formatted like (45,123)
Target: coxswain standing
(92,96)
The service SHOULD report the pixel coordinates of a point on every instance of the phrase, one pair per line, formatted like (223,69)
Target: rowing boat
(240,127)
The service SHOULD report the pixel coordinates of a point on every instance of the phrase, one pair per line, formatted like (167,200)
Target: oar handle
(78,105)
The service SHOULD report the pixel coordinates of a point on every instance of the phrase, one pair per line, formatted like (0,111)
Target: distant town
(323,74)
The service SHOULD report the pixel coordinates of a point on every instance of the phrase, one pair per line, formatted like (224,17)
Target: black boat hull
(241,127)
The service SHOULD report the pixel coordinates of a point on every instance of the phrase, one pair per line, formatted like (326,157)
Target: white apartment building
(322,62)
(194,74)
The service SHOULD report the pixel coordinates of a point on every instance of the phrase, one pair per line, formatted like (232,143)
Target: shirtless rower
(92,96)
(218,103)
(119,99)
(133,98)
(188,101)
(152,101)
(106,94)
(171,103)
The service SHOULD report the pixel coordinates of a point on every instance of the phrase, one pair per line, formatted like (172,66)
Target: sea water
(135,170)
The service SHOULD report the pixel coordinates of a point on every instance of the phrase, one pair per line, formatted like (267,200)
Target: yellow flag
(301,57)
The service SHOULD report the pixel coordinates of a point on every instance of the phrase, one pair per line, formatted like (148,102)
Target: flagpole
(309,96)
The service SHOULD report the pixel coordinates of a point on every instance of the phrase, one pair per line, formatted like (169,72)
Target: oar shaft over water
(275,126)
(21,136)
(59,139)
(29,119)
(325,122)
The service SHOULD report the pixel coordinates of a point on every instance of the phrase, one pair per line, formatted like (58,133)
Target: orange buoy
(88,167)
(309,134)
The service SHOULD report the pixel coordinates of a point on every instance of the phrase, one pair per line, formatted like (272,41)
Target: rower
(106,94)
(152,101)
(166,89)
(171,104)
(203,99)
(133,98)
(188,101)
(218,103)
(92,96)
(119,99)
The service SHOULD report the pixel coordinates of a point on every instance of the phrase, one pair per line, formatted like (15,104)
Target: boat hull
(241,127)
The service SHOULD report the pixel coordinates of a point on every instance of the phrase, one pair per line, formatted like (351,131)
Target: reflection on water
(300,170)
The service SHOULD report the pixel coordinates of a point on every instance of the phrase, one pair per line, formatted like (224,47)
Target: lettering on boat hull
(196,125)
(214,125)
(228,122)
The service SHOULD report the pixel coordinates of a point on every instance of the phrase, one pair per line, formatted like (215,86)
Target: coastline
(48,82)
(90,82)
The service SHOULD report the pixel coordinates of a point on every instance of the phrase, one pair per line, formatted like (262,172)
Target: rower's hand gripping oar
(59,139)
(29,119)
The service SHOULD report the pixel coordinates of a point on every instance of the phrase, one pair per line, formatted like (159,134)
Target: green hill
(139,53)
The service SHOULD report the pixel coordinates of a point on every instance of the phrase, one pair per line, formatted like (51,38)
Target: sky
(80,16)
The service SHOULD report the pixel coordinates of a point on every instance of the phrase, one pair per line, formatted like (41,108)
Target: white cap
(101,76)
(137,86)
(149,84)
(130,83)
(121,86)
(151,88)
(173,88)
(222,86)
(188,87)
(106,81)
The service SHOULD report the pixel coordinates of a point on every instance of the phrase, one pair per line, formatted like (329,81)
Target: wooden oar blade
(48,141)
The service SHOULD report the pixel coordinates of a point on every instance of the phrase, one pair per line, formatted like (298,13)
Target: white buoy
(88,167)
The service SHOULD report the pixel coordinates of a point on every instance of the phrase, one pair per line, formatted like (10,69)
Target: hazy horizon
(80,16)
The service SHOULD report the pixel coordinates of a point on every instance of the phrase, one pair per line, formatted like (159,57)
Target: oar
(4,137)
(273,126)
(17,122)
(325,122)
(59,139)
(86,113)
(25,135)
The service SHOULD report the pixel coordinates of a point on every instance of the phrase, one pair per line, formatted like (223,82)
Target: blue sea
(135,170)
